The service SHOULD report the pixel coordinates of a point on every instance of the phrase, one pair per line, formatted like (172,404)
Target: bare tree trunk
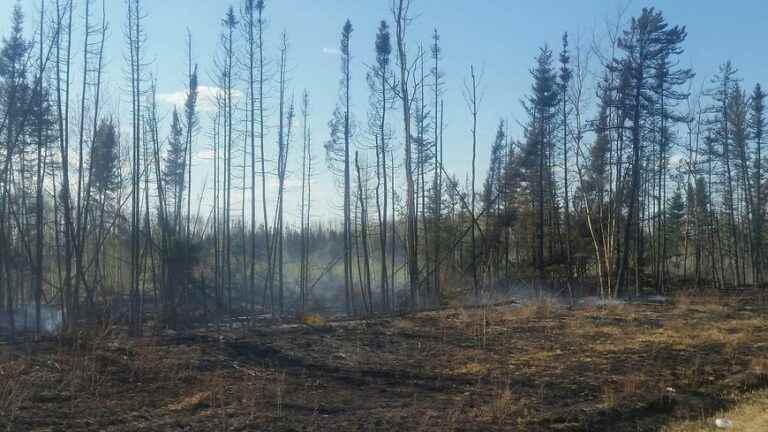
(191,123)
(472,100)
(348,281)
(62,104)
(304,206)
(39,221)
(229,113)
(135,35)
(423,160)
(79,246)
(393,237)
(400,10)
(362,197)
(216,202)
(438,162)
(261,109)
(282,151)
(250,27)
(381,214)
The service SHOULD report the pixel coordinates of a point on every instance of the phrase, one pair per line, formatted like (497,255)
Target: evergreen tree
(175,166)
(673,227)
(493,179)
(540,106)
(648,42)
(106,158)
(492,188)
(381,100)
(599,152)
(337,150)
(724,85)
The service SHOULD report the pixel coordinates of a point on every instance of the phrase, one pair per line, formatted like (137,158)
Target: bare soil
(532,368)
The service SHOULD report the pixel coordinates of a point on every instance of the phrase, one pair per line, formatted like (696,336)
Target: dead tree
(283,142)
(191,124)
(227,42)
(379,81)
(437,184)
(42,152)
(472,99)
(63,42)
(306,203)
(251,22)
(362,196)
(400,14)
(135,39)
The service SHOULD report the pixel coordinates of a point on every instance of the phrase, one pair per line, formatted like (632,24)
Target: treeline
(657,184)
(631,182)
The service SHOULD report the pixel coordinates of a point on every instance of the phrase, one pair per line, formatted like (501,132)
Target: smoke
(24,319)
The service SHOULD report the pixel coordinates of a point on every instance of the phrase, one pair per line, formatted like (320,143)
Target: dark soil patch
(636,367)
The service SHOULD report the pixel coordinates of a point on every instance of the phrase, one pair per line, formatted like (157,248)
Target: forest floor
(538,367)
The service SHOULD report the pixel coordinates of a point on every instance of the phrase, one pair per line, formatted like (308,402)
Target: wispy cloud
(331,51)
(206,98)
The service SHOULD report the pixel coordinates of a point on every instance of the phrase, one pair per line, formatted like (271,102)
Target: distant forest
(626,178)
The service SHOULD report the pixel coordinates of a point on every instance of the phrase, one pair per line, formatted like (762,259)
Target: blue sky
(499,36)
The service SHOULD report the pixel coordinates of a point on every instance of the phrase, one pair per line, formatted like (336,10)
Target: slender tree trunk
(634,188)
(362,197)
(261,109)
(252,138)
(473,111)
(400,12)
(39,221)
(134,40)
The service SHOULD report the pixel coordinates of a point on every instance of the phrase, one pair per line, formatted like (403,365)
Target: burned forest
(253,215)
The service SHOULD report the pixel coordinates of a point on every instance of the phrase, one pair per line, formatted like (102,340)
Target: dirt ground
(532,368)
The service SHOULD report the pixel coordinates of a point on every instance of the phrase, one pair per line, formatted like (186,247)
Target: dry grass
(13,394)
(313,320)
(708,301)
(760,366)
(536,367)
(750,414)
(544,307)
(500,409)
(471,369)
(192,402)
(626,388)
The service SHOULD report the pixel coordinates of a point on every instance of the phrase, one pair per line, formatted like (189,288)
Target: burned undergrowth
(621,367)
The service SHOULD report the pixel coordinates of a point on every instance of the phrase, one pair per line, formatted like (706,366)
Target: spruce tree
(648,42)
(381,100)
(174,170)
(724,84)
(540,106)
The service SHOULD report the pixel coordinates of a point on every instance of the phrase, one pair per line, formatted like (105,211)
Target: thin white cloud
(206,98)
(331,51)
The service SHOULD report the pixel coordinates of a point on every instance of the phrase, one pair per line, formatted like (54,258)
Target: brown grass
(501,407)
(750,414)
(192,402)
(313,320)
(13,393)
(707,301)
(544,307)
(537,367)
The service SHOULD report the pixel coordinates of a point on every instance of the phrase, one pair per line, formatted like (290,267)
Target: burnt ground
(625,367)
